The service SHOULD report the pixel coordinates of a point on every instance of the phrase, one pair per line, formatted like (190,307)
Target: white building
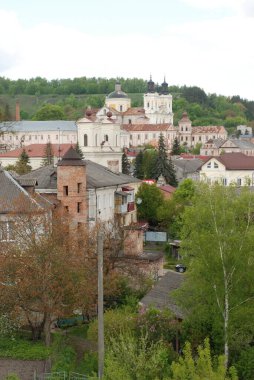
(229,168)
(22,133)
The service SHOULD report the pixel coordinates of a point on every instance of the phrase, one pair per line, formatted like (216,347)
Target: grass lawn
(23,348)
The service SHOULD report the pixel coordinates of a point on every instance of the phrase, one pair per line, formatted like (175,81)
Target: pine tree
(22,166)
(176,149)
(79,150)
(138,168)
(164,165)
(48,157)
(125,164)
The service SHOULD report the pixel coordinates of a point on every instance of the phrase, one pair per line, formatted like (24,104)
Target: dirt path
(25,369)
(81,345)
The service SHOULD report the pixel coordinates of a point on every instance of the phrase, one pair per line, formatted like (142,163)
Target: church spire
(150,85)
(164,87)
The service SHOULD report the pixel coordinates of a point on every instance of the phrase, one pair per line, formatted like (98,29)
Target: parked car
(180,268)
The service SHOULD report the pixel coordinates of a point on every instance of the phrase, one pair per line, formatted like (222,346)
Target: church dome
(118,93)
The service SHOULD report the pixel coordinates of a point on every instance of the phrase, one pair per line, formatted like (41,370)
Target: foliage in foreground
(202,367)
(129,358)
(64,356)
(20,348)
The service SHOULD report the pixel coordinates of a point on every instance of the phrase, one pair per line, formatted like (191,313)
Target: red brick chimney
(17,111)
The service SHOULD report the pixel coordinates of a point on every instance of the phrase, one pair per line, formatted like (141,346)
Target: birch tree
(218,244)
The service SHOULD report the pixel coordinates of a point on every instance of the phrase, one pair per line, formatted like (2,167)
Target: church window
(130,137)
(129,121)
(138,137)
(148,104)
(121,108)
(106,137)
(181,138)
(193,138)
(199,138)
(85,140)
(186,138)
(186,128)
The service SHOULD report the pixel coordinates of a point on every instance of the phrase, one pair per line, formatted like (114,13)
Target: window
(193,138)
(148,104)
(181,138)
(79,207)
(138,137)
(129,121)
(199,138)
(35,137)
(56,137)
(182,129)
(30,137)
(96,142)
(209,165)
(239,182)
(41,137)
(224,181)
(10,137)
(106,137)
(66,208)
(186,129)
(154,136)
(18,138)
(146,137)
(130,137)
(6,231)
(116,140)
(65,190)
(79,187)
(186,138)
(121,108)
(85,140)
(215,165)
(48,137)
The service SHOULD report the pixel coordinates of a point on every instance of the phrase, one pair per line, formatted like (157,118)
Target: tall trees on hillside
(49,112)
(218,244)
(125,164)
(163,165)
(22,166)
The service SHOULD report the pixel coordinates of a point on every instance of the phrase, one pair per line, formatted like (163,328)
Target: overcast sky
(208,43)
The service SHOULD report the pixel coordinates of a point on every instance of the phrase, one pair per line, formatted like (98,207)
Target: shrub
(64,356)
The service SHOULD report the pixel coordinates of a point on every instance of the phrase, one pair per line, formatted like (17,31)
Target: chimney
(17,111)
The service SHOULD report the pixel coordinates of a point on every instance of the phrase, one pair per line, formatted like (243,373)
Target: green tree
(129,358)
(125,164)
(149,160)
(138,166)
(79,150)
(202,366)
(151,199)
(176,149)
(218,242)
(48,157)
(163,165)
(22,166)
(49,112)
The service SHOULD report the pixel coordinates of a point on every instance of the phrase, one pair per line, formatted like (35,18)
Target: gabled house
(229,168)
(18,201)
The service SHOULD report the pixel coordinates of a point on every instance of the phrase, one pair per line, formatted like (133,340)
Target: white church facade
(103,133)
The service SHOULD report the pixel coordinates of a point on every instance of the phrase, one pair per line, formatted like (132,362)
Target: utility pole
(100,305)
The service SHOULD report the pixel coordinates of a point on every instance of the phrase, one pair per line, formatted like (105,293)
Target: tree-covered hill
(73,96)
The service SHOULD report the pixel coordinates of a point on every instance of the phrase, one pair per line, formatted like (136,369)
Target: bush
(12,376)
(64,356)
(18,348)
(245,364)
(116,322)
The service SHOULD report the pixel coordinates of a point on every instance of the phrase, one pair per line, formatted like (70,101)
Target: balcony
(131,206)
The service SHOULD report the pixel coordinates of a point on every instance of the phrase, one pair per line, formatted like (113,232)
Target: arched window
(85,140)
(96,139)
(121,108)
(106,137)
(147,104)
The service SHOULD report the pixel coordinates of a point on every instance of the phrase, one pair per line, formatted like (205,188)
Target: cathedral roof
(146,127)
(117,94)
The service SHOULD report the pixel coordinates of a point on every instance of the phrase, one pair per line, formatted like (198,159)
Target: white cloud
(215,54)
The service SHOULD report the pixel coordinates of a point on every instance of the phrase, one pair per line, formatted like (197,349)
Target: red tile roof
(37,150)
(209,129)
(236,161)
(134,111)
(167,188)
(146,127)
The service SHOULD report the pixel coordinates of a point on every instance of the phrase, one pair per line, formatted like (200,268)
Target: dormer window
(209,165)
(215,165)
